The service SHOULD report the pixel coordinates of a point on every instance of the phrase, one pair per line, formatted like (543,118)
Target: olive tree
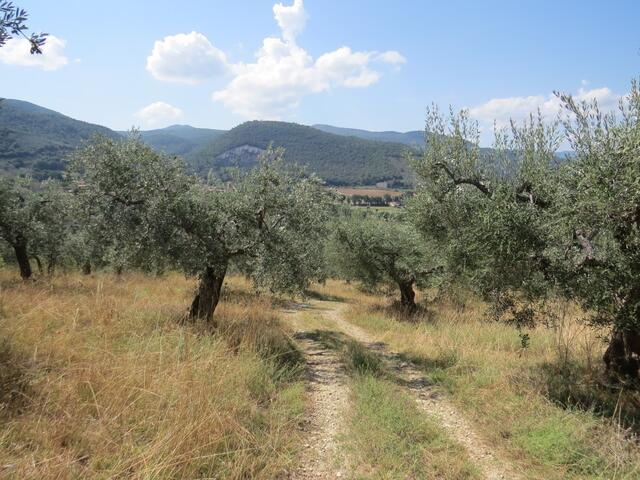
(521,226)
(600,213)
(489,210)
(34,222)
(18,209)
(377,251)
(268,223)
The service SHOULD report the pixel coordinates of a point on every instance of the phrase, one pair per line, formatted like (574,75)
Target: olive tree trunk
(22,257)
(86,268)
(208,295)
(407,295)
(622,356)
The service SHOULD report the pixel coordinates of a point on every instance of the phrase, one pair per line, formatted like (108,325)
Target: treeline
(374,200)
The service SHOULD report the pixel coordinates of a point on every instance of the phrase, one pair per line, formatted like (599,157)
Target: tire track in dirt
(328,397)
(426,396)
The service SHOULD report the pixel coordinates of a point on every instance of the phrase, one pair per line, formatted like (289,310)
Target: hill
(36,140)
(338,159)
(414,138)
(179,139)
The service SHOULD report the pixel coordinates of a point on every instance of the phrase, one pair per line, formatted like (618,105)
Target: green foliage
(381,251)
(519,226)
(338,160)
(13,22)
(488,212)
(179,139)
(37,218)
(147,212)
(413,138)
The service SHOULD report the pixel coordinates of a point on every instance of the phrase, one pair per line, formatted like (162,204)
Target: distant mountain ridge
(37,141)
(179,139)
(414,138)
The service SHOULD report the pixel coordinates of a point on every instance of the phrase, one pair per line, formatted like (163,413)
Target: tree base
(622,356)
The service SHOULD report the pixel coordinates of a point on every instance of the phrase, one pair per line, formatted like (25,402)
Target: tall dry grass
(106,383)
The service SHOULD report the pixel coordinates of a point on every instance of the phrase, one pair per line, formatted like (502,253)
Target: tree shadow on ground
(573,385)
(396,311)
(315,295)
(355,357)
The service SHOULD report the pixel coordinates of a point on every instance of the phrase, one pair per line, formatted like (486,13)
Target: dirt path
(328,398)
(425,395)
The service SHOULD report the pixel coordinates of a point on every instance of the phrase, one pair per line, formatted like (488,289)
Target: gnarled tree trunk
(22,257)
(51,266)
(208,296)
(407,295)
(622,356)
(86,268)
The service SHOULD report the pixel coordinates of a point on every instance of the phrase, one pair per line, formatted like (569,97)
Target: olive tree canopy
(268,223)
(377,251)
(520,224)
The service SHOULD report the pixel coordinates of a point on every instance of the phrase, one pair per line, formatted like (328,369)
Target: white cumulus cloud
(393,57)
(159,113)
(281,75)
(186,58)
(291,19)
(501,110)
(17,51)
(283,72)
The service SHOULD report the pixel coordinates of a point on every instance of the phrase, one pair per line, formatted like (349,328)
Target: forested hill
(414,138)
(339,160)
(179,139)
(36,140)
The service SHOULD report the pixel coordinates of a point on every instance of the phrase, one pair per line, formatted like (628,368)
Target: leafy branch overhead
(13,23)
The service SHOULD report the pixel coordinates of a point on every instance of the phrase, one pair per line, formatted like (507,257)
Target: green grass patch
(389,437)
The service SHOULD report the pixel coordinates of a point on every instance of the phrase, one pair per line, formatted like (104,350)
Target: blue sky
(364,64)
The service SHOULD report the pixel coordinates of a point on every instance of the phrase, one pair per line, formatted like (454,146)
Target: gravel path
(328,397)
(484,457)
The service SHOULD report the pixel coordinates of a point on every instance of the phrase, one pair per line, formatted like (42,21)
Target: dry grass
(107,384)
(542,406)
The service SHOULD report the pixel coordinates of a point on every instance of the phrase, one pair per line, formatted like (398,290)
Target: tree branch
(465,180)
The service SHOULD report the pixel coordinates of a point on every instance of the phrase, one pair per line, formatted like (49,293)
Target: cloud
(186,58)
(17,51)
(392,57)
(158,113)
(501,110)
(284,73)
(281,75)
(291,20)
